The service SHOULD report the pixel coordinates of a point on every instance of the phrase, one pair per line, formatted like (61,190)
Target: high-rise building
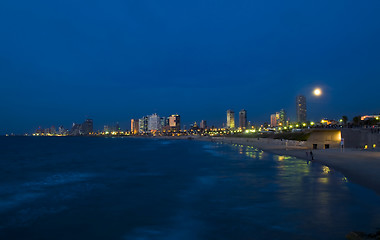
(282,118)
(61,130)
(175,122)
(76,129)
(203,124)
(230,119)
(243,119)
(154,122)
(301,108)
(53,130)
(117,127)
(164,122)
(143,124)
(273,120)
(134,126)
(87,127)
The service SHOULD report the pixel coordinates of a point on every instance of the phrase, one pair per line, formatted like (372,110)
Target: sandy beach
(358,165)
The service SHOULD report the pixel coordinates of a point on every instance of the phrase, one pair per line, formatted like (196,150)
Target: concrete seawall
(358,138)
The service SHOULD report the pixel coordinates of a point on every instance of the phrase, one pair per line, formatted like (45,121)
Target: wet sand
(358,165)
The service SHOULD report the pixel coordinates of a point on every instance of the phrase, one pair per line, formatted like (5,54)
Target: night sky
(62,61)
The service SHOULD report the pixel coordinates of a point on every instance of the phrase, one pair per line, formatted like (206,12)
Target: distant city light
(317,92)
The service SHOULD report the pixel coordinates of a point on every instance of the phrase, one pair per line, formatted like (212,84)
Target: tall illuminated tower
(243,119)
(301,108)
(230,119)
(175,122)
(135,126)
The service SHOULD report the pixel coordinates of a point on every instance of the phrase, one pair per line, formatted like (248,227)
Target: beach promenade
(358,165)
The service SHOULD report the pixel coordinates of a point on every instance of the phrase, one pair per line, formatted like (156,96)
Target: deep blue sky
(63,60)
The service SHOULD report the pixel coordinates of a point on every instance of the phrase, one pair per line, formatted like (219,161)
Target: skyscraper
(134,126)
(75,129)
(274,119)
(143,124)
(282,118)
(301,108)
(203,124)
(163,122)
(175,122)
(61,130)
(230,119)
(154,122)
(87,127)
(243,119)
(117,127)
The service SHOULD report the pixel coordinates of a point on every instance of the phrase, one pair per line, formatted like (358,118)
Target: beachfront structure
(301,108)
(243,119)
(134,126)
(369,117)
(230,119)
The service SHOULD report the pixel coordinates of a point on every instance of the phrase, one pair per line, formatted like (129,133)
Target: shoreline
(358,166)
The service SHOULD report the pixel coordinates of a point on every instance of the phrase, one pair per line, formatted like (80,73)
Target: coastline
(358,166)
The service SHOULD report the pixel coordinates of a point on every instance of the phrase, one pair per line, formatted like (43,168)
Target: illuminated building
(53,130)
(154,122)
(39,131)
(203,124)
(282,118)
(273,120)
(61,130)
(175,122)
(301,108)
(143,124)
(76,129)
(328,122)
(117,127)
(243,119)
(230,119)
(87,127)
(369,117)
(194,126)
(164,121)
(134,126)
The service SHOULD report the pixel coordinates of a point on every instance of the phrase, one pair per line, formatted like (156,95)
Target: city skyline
(154,122)
(145,123)
(62,63)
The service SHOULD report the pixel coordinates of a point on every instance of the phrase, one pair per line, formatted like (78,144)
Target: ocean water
(124,188)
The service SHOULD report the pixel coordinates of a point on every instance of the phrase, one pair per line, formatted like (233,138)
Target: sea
(147,188)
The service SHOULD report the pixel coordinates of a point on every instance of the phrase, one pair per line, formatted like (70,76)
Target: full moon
(317,92)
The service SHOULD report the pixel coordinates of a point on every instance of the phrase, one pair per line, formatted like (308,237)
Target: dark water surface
(120,188)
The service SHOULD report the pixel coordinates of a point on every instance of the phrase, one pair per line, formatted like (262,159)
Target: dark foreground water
(120,188)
